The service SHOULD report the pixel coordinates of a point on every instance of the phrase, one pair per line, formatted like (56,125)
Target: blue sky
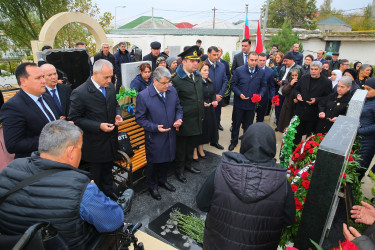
(196,11)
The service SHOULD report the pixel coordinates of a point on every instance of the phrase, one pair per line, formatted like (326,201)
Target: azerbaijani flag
(246,29)
(259,43)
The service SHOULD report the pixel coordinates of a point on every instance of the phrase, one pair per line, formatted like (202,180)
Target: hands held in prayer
(118,120)
(322,115)
(350,233)
(177,124)
(244,97)
(363,214)
(106,127)
(312,101)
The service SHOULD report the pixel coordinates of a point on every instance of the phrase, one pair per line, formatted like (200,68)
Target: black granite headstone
(322,198)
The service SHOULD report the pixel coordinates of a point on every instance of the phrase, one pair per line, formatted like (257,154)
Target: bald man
(59,92)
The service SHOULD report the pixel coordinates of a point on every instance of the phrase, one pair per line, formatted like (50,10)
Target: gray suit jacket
(237,61)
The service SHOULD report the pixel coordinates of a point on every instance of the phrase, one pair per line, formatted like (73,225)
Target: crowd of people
(49,125)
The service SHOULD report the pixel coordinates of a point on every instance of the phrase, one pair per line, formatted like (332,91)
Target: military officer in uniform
(188,82)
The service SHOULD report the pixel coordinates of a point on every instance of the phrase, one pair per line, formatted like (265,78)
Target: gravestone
(174,50)
(129,71)
(356,103)
(322,198)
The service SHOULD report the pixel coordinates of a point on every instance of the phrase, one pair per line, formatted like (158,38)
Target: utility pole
(213,23)
(152,18)
(265,22)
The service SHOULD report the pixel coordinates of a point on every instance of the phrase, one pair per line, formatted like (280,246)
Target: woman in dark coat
(144,79)
(287,111)
(334,105)
(367,129)
(209,127)
(365,72)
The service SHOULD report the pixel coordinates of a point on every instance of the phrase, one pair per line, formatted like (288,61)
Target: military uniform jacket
(191,98)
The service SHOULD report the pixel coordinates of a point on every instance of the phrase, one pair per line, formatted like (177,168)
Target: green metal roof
(181,32)
(140,20)
(333,21)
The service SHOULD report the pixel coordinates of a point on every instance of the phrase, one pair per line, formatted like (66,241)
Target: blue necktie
(246,55)
(162,97)
(50,116)
(58,104)
(103,90)
(251,71)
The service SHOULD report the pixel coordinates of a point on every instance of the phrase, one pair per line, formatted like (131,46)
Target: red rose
(304,199)
(276,100)
(348,245)
(351,158)
(256,98)
(304,175)
(321,138)
(315,144)
(306,184)
(299,205)
(312,167)
(311,151)
(307,146)
(343,175)
(319,134)
(294,188)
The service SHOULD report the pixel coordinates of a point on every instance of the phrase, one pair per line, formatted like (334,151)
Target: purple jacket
(152,111)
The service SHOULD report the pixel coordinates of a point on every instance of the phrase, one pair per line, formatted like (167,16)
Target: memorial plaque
(356,103)
(129,71)
(174,50)
(322,197)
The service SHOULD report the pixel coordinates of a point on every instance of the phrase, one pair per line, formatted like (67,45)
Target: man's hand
(322,115)
(363,214)
(299,98)
(60,81)
(333,119)
(350,233)
(214,103)
(295,100)
(106,127)
(206,104)
(62,117)
(312,101)
(293,81)
(162,130)
(118,120)
(244,97)
(219,98)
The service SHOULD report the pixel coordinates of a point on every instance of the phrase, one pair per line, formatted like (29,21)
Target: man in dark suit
(105,54)
(309,90)
(159,112)
(334,63)
(121,56)
(247,80)
(60,93)
(226,99)
(188,83)
(155,53)
(241,58)
(24,115)
(93,108)
(270,90)
(218,77)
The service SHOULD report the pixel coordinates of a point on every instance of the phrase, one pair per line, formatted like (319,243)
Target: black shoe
(232,146)
(181,178)
(155,194)
(125,200)
(168,186)
(113,197)
(276,129)
(193,170)
(219,127)
(203,157)
(240,138)
(217,145)
(196,160)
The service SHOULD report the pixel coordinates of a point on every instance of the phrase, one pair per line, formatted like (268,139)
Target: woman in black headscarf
(248,197)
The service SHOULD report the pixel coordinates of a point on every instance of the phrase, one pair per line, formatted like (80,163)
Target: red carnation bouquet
(256,99)
(276,100)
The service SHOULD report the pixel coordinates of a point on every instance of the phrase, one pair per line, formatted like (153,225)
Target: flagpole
(265,21)
(244,24)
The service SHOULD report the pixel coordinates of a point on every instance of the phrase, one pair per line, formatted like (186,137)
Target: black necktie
(51,117)
(54,96)
(162,96)
(191,76)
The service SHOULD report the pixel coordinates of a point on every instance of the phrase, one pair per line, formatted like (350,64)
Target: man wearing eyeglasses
(105,54)
(160,114)
(343,65)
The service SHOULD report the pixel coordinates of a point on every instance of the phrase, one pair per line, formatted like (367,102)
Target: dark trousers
(240,116)
(304,128)
(278,108)
(218,113)
(101,173)
(118,83)
(184,152)
(262,109)
(156,173)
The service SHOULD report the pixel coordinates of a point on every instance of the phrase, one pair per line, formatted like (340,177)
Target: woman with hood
(144,79)
(335,77)
(248,197)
